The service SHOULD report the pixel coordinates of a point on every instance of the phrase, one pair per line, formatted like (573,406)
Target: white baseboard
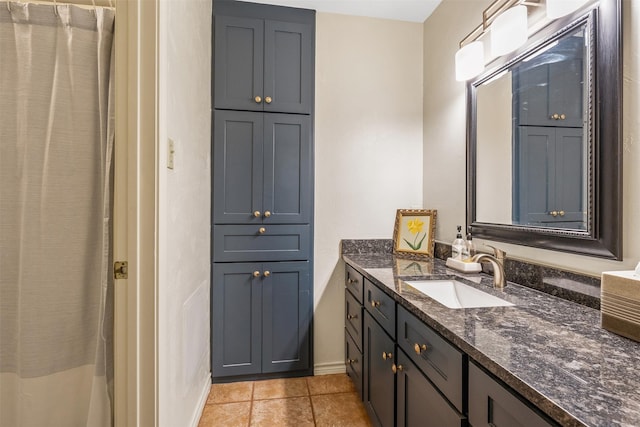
(329,368)
(206,388)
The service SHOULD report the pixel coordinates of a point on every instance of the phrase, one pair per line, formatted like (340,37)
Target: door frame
(135,220)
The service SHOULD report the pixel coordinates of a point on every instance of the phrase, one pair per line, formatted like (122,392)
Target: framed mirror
(544,149)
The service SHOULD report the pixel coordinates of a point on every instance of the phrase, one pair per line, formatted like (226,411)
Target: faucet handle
(498,253)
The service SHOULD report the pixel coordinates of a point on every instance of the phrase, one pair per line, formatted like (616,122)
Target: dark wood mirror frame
(604,238)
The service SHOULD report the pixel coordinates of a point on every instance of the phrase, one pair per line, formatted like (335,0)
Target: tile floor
(325,400)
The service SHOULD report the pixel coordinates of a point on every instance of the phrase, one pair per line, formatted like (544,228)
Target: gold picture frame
(414,233)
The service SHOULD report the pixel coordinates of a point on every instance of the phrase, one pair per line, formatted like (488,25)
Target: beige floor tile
(231,392)
(279,388)
(339,410)
(324,384)
(226,414)
(291,412)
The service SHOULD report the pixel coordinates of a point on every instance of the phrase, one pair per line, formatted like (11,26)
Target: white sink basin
(453,294)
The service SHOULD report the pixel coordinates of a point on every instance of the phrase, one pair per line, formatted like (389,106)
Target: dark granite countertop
(551,351)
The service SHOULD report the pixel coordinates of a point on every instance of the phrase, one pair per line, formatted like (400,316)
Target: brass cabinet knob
(561,213)
(555,116)
(553,213)
(375,304)
(351,281)
(257,99)
(562,117)
(419,348)
(256,273)
(256,214)
(262,230)
(352,361)
(386,355)
(397,368)
(352,316)
(267,214)
(267,273)
(268,99)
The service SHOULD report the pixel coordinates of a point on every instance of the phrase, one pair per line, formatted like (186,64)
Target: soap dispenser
(471,249)
(459,247)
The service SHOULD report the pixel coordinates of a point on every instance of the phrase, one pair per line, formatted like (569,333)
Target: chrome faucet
(497,262)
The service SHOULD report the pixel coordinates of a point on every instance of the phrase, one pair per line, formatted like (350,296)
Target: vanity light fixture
(509,30)
(469,61)
(559,8)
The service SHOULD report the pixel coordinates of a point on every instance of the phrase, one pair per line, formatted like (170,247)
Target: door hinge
(121,270)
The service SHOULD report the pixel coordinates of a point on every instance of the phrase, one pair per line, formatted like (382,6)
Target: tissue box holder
(620,303)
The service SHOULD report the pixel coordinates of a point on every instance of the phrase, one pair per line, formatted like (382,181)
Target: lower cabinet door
(491,404)
(260,318)
(419,404)
(379,379)
(286,316)
(236,320)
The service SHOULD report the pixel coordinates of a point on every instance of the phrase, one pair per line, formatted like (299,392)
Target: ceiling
(402,10)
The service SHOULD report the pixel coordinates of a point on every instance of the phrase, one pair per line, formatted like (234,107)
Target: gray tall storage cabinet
(262,213)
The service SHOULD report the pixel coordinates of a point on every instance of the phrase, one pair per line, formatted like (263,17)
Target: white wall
(184,210)
(444,134)
(368,151)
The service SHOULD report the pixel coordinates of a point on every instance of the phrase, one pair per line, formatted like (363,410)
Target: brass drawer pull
(419,348)
(386,356)
(351,281)
(262,230)
(352,316)
(375,303)
(396,369)
(352,361)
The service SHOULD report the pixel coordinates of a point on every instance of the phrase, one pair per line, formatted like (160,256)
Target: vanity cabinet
(268,63)
(491,404)
(262,184)
(263,314)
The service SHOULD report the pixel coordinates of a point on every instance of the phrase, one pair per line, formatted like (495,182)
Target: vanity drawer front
(354,362)
(492,404)
(354,282)
(438,359)
(381,306)
(353,318)
(238,243)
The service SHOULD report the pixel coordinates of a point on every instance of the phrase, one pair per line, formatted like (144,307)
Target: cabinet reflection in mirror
(544,140)
(532,152)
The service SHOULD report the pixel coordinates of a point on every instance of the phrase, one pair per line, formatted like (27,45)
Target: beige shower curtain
(56,141)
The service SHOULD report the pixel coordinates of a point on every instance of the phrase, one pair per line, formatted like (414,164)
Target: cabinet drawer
(381,306)
(492,404)
(438,359)
(419,403)
(353,318)
(232,243)
(354,282)
(354,362)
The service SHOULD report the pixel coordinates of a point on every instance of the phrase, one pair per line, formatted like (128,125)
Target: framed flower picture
(414,233)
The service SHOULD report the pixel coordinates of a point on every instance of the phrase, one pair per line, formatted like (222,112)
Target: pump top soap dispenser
(459,247)
(471,249)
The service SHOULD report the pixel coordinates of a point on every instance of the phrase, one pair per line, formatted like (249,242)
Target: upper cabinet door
(237,167)
(287,169)
(239,62)
(288,67)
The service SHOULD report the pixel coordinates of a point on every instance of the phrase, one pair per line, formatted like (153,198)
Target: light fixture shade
(559,8)
(509,31)
(469,61)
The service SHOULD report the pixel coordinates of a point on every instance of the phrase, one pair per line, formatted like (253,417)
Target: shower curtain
(56,141)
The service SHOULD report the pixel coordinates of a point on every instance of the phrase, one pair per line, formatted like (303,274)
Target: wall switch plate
(171,150)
